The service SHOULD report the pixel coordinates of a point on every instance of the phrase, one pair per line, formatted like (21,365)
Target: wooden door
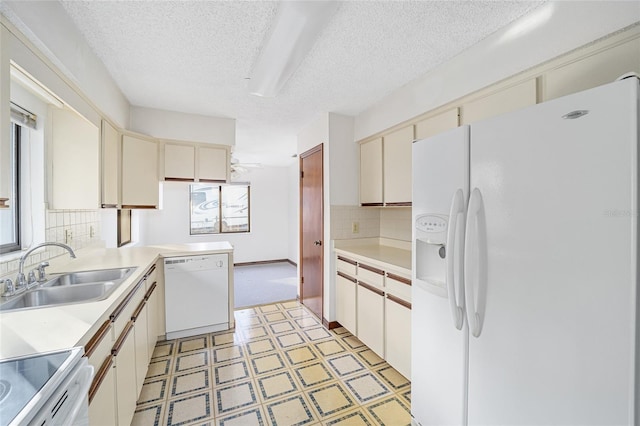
(311,230)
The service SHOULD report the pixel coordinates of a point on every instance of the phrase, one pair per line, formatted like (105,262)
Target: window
(10,217)
(219,209)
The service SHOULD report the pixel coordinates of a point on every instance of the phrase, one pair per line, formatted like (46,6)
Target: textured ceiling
(194,56)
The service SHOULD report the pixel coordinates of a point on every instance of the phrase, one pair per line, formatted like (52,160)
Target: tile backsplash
(394,223)
(76,228)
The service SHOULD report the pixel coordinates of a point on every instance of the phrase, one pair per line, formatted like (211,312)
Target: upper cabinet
(110,165)
(437,124)
(397,167)
(140,183)
(73,151)
(371,173)
(195,162)
(510,99)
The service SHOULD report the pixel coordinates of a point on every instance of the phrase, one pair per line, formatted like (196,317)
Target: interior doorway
(311,230)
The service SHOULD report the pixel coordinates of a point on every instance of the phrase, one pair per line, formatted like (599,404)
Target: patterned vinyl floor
(281,367)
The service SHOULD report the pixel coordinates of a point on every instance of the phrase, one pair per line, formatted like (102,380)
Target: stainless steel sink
(47,296)
(84,277)
(73,287)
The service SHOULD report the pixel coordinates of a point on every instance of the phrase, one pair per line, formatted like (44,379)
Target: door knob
(317,242)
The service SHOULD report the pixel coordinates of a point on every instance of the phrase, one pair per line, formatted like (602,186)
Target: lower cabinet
(398,334)
(370,317)
(346,301)
(102,406)
(141,337)
(124,352)
(152,319)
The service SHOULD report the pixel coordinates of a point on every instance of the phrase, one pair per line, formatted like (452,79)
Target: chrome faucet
(21,281)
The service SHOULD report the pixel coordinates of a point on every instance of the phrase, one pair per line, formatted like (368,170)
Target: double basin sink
(73,287)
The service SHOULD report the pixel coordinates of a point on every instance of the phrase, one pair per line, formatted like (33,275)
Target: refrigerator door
(439,349)
(556,311)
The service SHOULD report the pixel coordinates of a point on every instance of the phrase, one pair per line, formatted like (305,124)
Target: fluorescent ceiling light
(294,31)
(26,81)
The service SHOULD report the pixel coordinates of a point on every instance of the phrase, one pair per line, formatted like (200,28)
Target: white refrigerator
(525,283)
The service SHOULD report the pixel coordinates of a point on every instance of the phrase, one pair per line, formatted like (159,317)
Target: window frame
(121,212)
(15,203)
(220,230)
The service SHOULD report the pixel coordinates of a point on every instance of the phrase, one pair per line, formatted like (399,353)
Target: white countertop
(392,255)
(30,331)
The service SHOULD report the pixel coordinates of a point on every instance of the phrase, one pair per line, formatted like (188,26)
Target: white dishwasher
(196,294)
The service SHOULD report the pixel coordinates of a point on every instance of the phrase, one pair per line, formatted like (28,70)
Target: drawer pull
(347,277)
(398,278)
(99,378)
(122,338)
(116,313)
(93,343)
(139,309)
(399,301)
(371,288)
(153,268)
(150,291)
(399,204)
(372,269)
(349,261)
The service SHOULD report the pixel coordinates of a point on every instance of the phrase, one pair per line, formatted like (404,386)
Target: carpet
(262,284)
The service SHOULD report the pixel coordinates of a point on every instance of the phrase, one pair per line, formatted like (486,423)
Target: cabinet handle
(371,288)
(347,277)
(372,269)
(371,204)
(399,301)
(99,378)
(116,313)
(120,342)
(151,290)
(139,309)
(137,206)
(398,278)
(212,180)
(153,268)
(93,343)
(400,204)
(109,206)
(349,261)
(172,179)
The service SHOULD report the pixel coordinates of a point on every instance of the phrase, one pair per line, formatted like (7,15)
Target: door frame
(315,149)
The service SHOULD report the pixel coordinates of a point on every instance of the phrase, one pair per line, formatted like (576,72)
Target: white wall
(552,30)
(269,236)
(181,126)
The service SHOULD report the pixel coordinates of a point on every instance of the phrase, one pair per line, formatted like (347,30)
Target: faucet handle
(41,273)
(31,278)
(9,289)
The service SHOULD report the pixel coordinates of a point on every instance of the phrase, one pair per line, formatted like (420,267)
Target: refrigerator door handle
(475,263)
(457,208)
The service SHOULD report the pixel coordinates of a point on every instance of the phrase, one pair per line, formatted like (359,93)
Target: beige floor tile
(290,411)
(164,349)
(346,364)
(195,381)
(250,417)
(249,321)
(366,387)
(257,347)
(318,333)
(406,396)
(190,408)
(370,357)
(307,322)
(193,344)
(227,353)
(390,412)
(267,363)
(274,316)
(340,330)
(281,327)
(235,396)
(300,355)
(277,385)
(314,374)
(329,348)
(153,391)
(290,339)
(191,361)
(268,308)
(254,332)
(352,341)
(151,415)
(227,373)
(298,312)
(394,379)
(356,417)
(330,400)
(158,368)
(290,304)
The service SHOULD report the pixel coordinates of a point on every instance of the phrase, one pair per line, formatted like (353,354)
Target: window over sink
(217,209)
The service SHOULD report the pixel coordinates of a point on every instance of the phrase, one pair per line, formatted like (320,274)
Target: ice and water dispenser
(431,237)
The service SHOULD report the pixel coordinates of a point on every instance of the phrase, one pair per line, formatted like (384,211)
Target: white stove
(45,389)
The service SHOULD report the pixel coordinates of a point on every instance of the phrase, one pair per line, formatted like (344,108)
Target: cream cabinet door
(142,344)
(371,172)
(370,318)
(398,335)
(397,167)
(110,165)
(74,161)
(346,302)
(140,183)
(126,389)
(102,408)
(213,164)
(437,124)
(179,162)
(506,100)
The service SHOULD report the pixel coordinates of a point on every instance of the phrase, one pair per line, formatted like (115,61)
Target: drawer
(347,266)
(122,314)
(98,348)
(371,275)
(151,276)
(398,286)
